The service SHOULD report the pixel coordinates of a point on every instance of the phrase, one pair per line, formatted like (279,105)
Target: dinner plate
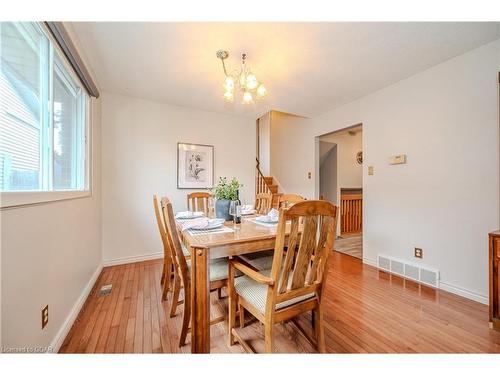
(189,215)
(266,219)
(212,224)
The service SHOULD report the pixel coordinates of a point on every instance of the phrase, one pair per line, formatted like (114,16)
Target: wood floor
(367,311)
(350,244)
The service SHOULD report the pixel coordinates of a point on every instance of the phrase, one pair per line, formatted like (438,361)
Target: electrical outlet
(309,175)
(419,253)
(45,316)
(370,171)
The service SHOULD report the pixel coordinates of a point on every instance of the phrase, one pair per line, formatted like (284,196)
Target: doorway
(340,181)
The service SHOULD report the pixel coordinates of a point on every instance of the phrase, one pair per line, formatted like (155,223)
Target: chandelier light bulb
(247,97)
(261,91)
(251,81)
(229,83)
(229,96)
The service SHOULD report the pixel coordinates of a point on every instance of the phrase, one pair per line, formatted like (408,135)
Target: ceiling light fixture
(242,80)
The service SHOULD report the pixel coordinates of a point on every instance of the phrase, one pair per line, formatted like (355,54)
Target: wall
(50,254)
(446,198)
(265,144)
(139,142)
(328,171)
(349,172)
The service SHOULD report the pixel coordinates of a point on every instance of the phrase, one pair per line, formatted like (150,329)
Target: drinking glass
(232,208)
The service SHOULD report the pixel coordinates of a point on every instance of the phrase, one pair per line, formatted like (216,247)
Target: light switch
(398,159)
(370,171)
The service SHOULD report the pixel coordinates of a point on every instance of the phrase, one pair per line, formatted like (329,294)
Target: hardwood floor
(367,311)
(350,244)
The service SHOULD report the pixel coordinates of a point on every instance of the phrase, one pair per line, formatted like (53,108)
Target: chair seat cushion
(185,250)
(256,293)
(218,269)
(263,260)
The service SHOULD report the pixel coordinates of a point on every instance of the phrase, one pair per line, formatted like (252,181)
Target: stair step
(269,180)
(273,188)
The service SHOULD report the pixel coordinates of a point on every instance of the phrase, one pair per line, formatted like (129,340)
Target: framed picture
(195,166)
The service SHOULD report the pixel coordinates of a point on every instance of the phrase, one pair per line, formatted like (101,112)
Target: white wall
(50,255)
(265,144)
(328,171)
(349,172)
(446,198)
(139,143)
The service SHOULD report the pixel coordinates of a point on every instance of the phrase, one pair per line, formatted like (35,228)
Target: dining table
(228,241)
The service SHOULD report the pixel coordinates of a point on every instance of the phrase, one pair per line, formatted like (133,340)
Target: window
(43,114)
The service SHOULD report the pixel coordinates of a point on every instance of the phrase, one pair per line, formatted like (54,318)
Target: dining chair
(286,200)
(168,269)
(296,280)
(218,272)
(198,201)
(263,203)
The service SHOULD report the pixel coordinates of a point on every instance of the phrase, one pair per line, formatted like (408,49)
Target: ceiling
(308,68)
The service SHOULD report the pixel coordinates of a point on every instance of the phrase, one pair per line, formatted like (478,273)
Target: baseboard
(68,323)
(463,292)
(132,259)
(370,262)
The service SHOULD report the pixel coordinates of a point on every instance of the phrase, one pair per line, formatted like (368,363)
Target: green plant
(226,190)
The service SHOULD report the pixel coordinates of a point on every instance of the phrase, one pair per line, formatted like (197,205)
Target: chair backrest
(167,253)
(302,268)
(287,200)
(263,203)
(198,201)
(179,259)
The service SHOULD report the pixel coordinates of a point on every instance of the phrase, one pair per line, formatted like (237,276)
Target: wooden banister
(351,213)
(261,185)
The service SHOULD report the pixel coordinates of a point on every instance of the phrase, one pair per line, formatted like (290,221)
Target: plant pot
(222,209)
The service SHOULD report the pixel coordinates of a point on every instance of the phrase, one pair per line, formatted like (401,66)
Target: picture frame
(195,166)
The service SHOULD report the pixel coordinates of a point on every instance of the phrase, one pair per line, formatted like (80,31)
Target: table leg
(200,300)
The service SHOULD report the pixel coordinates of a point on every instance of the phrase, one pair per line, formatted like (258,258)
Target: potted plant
(225,192)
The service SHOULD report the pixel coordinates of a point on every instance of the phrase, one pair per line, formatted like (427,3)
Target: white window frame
(15,199)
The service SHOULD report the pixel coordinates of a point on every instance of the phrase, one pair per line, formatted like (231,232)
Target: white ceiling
(308,68)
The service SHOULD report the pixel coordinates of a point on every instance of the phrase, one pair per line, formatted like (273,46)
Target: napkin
(272,216)
(188,214)
(247,209)
(198,223)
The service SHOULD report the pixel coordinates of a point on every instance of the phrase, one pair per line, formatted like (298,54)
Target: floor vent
(411,271)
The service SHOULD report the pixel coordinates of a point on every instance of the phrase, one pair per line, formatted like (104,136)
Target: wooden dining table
(245,238)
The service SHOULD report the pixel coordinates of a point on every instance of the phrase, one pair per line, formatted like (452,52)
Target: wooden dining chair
(198,201)
(296,280)
(286,200)
(263,203)
(182,278)
(168,270)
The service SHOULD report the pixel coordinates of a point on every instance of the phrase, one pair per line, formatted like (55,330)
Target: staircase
(265,184)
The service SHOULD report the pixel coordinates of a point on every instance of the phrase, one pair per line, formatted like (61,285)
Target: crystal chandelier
(242,80)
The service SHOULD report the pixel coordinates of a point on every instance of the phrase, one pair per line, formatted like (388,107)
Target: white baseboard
(132,259)
(68,323)
(463,292)
(370,262)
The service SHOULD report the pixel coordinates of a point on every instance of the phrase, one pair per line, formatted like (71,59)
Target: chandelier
(242,80)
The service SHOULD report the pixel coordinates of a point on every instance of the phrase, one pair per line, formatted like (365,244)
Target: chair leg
(162,280)
(186,317)
(268,337)
(241,311)
(319,330)
(175,297)
(232,305)
(167,270)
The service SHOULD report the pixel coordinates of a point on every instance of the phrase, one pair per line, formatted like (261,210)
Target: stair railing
(261,185)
